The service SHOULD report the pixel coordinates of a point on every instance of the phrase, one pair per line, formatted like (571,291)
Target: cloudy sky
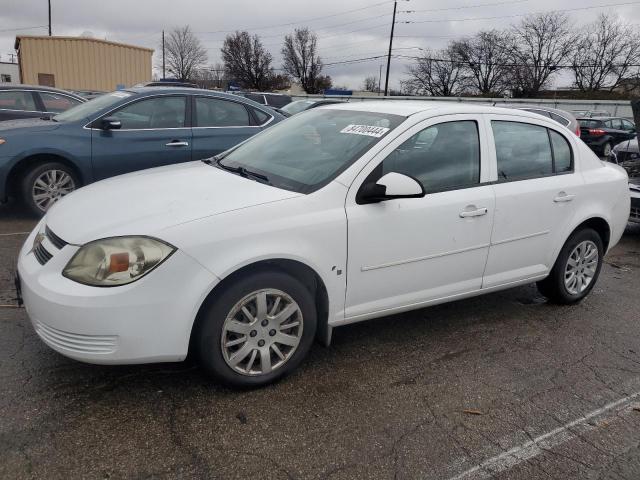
(347,31)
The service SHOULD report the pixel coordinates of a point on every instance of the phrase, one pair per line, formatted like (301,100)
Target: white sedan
(340,214)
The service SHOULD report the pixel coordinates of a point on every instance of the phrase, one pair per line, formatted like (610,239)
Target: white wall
(12,70)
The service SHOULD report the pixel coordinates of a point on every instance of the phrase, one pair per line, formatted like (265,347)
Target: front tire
(576,269)
(45,184)
(257,330)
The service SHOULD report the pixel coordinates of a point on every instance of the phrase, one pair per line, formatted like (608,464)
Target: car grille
(54,239)
(41,253)
(75,342)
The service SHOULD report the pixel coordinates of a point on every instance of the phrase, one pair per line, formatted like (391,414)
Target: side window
(213,112)
(256,98)
(617,124)
(17,100)
(562,158)
(54,102)
(157,112)
(522,150)
(261,117)
(559,119)
(442,157)
(627,125)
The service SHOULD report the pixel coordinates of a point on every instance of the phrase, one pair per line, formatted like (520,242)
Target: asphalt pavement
(502,386)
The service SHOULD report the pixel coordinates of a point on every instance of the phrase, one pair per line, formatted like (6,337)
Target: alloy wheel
(51,186)
(581,267)
(261,332)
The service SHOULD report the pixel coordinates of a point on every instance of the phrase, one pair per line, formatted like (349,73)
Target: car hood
(148,201)
(33,124)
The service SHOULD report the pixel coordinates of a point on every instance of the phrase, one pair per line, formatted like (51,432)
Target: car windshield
(309,150)
(87,109)
(298,106)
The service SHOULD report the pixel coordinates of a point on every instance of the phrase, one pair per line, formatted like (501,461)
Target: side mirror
(391,186)
(110,123)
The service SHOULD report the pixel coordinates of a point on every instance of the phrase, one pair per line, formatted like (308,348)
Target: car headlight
(116,261)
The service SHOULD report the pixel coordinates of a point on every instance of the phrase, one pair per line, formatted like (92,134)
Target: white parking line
(16,233)
(521,453)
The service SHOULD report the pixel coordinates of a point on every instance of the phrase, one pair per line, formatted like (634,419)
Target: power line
(23,28)
(313,19)
(520,14)
(464,7)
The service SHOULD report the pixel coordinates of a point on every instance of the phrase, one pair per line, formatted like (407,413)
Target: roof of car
(189,90)
(36,87)
(411,107)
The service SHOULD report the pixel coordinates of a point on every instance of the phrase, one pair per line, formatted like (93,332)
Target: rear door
(536,191)
(155,131)
(219,124)
(18,104)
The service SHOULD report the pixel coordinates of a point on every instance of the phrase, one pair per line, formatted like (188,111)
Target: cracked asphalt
(503,386)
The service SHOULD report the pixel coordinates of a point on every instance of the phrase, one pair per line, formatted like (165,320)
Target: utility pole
(379,79)
(163,72)
(393,24)
(49,17)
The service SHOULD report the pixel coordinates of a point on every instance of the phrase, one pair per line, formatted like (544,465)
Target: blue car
(41,160)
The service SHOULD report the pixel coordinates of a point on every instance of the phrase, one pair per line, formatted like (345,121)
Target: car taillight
(578,131)
(596,132)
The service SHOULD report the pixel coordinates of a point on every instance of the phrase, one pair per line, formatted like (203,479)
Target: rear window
(17,100)
(588,123)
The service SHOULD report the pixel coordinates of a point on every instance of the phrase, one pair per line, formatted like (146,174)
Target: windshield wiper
(242,171)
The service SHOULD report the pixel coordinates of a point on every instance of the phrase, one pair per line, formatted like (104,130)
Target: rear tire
(257,330)
(576,269)
(44,184)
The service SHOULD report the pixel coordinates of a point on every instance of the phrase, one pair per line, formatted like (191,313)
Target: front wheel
(257,330)
(576,270)
(45,184)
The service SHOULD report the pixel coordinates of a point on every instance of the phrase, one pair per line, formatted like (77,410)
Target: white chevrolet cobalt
(340,214)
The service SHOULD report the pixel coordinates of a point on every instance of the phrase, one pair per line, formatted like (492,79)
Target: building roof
(83,39)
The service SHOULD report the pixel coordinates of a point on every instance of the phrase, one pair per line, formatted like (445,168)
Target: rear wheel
(257,330)
(576,269)
(45,184)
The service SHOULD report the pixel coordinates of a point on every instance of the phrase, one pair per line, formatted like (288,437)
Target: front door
(536,193)
(408,252)
(154,132)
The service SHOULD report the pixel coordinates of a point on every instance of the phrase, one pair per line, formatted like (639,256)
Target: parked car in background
(602,133)
(634,190)
(307,104)
(167,83)
(41,160)
(275,100)
(319,221)
(88,94)
(561,116)
(26,101)
(591,113)
(627,155)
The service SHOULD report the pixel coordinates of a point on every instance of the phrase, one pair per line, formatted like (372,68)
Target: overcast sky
(343,33)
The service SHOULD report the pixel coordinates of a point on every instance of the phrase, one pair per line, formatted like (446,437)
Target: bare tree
(300,59)
(184,53)
(605,53)
(212,76)
(542,42)
(371,84)
(485,57)
(439,74)
(247,61)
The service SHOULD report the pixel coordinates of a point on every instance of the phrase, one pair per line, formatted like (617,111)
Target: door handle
(474,213)
(177,143)
(563,197)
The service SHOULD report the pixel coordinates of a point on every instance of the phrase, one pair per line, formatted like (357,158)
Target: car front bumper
(149,320)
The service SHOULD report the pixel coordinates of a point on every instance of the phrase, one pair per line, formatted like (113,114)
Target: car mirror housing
(391,186)
(110,123)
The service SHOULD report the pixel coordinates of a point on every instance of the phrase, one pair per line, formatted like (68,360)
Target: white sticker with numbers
(367,130)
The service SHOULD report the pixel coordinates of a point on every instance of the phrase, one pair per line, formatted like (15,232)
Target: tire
(51,181)
(222,320)
(575,288)
(606,150)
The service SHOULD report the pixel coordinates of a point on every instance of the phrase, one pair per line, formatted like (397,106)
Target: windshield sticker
(120,94)
(367,130)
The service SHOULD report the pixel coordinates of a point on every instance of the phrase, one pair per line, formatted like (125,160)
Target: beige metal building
(79,63)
